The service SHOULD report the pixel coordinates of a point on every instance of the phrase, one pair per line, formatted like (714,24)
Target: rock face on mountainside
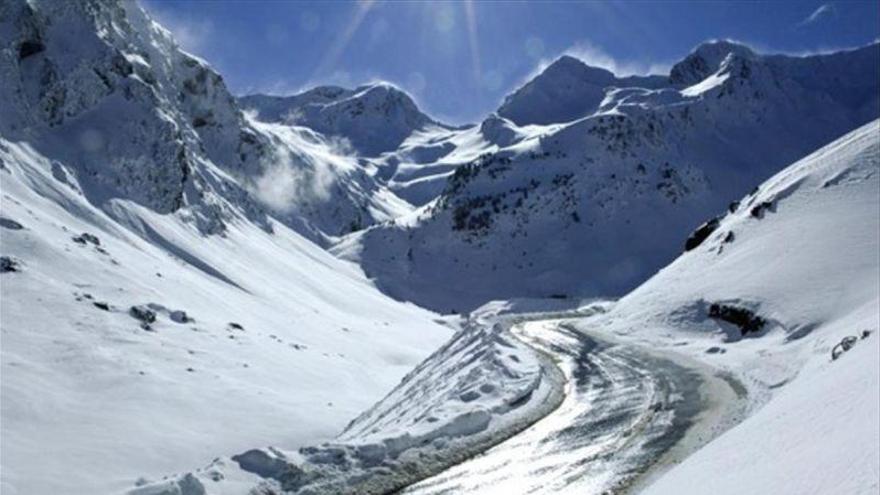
(104,90)
(597,205)
(374,118)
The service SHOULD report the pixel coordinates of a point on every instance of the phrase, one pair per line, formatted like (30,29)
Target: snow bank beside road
(480,388)
(801,254)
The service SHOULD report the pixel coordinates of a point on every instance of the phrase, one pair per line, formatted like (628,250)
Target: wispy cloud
(597,57)
(824,11)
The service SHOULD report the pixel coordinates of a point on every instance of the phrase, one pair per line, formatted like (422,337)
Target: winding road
(627,413)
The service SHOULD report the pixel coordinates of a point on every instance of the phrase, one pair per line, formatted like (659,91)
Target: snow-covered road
(627,412)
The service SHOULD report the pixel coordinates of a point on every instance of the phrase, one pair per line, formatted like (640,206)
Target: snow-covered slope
(616,192)
(802,253)
(279,342)
(159,305)
(374,118)
(101,87)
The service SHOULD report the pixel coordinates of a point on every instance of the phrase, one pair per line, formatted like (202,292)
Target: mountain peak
(706,59)
(374,117)
(565,90)
(568,64)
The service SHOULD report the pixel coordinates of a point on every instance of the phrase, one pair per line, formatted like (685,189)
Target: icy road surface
(627,412)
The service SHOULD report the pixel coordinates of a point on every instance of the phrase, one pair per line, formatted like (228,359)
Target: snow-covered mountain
(374,118)
(618,191)
(159,303)
(103,89)
(167,298)
(566,90)
(790,339)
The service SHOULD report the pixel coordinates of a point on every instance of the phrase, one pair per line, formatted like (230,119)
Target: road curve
(627,412)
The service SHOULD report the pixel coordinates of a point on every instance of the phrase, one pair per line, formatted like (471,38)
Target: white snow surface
(810,265)
(285,345)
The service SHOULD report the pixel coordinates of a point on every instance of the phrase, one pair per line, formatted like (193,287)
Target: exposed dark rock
(746,320)
(844,345)
(10,224)
(759,209)
(8,264)
(102,305)
(729,237)
(30,47)
(86,238)
(700,234)
(733,206)
(235,326)
(144,314)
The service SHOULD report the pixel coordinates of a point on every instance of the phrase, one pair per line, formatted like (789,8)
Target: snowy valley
(653,284)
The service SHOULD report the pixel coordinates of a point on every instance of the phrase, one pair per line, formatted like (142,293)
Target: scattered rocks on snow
(847,343)
(700,234)
(145,315)
(10,224)
(758,210)
(86,238)
(746,320)
(844,345)
(8,264)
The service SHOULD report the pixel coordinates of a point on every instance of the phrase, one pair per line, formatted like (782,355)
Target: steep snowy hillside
(617,192)
(157,307)
(102,88)
(374,118)
(138,346)
(769,295)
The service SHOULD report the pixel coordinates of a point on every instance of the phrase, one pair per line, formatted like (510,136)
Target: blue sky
(459,59)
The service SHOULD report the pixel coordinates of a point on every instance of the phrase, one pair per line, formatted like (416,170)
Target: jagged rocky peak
(103,90)
(706,59)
